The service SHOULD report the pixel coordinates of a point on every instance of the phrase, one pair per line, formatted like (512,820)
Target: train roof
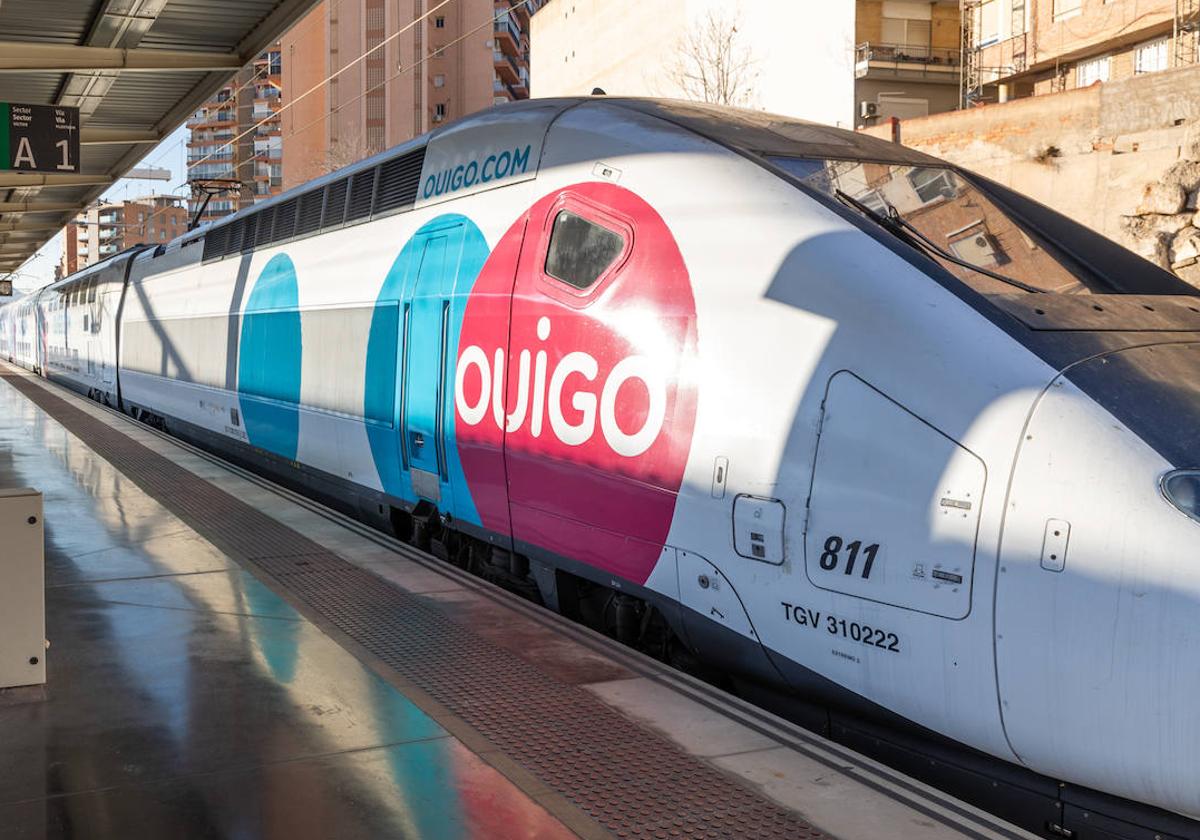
(762,133)
(747,131)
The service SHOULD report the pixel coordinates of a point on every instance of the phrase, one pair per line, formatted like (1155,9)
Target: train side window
(580,251)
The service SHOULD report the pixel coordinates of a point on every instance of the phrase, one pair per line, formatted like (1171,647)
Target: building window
(439,80)
(1064,9)
(439,111)
(907,25)
(439,22)
(988,23)
(932,184)
(1090,72)
(1152,57)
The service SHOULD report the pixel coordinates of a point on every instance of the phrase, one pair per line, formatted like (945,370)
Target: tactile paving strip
(628,779)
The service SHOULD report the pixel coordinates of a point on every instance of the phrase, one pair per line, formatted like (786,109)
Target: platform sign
(39,138)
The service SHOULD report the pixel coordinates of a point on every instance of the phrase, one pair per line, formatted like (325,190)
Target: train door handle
(418,439)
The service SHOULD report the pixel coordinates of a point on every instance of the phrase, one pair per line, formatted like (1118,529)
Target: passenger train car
(881,442)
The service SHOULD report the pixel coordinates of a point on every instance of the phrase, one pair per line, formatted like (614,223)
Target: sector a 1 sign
(39,138)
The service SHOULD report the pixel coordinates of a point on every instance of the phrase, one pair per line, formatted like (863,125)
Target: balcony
(521,85)
(906,61)
(508,36)
(507,91)
(506,68)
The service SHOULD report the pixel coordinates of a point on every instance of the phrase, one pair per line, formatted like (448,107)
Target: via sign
(39,138)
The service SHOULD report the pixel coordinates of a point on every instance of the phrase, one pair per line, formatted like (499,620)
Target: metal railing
(906,54)
(499,56)
(505,24)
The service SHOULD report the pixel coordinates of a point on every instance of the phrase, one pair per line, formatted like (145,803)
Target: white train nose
(1098,590)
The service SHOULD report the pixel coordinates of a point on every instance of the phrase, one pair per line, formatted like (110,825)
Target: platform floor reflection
(186,699)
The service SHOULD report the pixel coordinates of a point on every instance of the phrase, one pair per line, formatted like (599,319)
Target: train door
(599,413)
(105,329)
(878,575)
(426,327)
(90,331)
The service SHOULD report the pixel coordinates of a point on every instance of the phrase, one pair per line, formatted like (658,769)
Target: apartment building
(370,74)
(906,59)
(1020,48)
(106,229)
(235,136)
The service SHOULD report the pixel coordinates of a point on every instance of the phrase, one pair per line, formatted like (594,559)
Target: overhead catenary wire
(286,105)
(353,62)
(255,76)
(490,21)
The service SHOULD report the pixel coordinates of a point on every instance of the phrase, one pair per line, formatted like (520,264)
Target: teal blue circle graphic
(269,357)
(464,257)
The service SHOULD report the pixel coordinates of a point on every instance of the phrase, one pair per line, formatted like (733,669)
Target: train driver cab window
(580,251)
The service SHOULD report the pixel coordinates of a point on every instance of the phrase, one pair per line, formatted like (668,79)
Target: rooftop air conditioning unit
(978,249)
(868,110)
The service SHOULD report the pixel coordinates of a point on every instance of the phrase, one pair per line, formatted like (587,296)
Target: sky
(170,154)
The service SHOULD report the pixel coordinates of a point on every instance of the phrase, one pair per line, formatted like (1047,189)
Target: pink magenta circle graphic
(575,408)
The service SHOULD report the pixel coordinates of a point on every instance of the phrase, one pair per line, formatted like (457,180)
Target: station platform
(231,660)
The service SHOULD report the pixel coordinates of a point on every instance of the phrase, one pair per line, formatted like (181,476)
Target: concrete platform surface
(193,694)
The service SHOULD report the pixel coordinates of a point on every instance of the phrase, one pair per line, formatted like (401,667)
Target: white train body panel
(835,470)
(1101,623)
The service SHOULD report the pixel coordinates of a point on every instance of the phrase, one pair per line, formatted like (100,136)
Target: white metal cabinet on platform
(22,589)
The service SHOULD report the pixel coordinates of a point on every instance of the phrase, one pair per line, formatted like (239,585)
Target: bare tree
(711,64)
(347,150)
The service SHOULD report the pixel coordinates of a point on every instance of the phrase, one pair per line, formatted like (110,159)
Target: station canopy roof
(136,69)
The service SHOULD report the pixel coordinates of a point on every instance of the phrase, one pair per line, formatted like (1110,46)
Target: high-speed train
(883,443)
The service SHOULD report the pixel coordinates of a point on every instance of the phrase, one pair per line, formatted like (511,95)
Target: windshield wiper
(904,230)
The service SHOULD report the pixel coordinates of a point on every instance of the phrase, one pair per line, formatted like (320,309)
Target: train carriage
(880,441)
(20,338)
(77,317)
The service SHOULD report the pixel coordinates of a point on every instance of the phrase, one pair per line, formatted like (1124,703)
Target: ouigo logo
(543,403)
(574,414)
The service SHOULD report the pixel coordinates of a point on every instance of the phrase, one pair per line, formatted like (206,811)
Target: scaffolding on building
(971,84)
(1186,31)
(1012,54)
